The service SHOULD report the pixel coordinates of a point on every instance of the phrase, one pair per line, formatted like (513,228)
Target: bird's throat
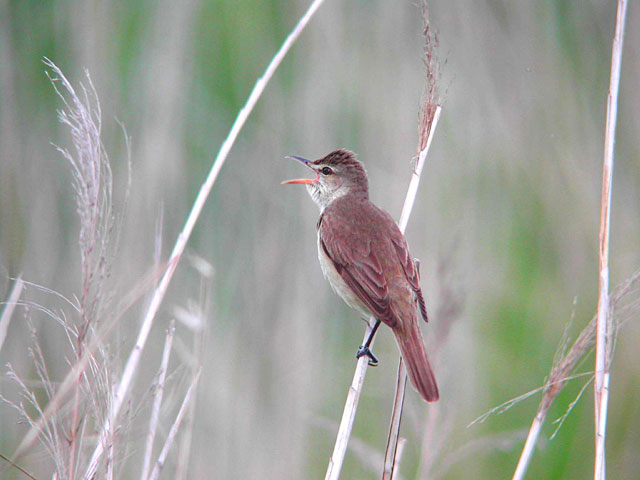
(324,197)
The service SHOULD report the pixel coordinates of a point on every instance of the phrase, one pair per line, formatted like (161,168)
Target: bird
(365,257)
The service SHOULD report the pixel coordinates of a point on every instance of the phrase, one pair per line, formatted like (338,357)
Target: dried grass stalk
(62,431)
(604,330)
(155,474)
(429,115)
(7,313)
(349,413)
(157,401)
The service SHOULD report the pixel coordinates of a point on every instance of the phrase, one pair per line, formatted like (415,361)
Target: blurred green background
(506,219)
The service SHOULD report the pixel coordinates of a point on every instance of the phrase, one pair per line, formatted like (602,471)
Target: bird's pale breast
(337,283)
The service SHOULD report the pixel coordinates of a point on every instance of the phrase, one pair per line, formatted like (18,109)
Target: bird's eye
(326,171)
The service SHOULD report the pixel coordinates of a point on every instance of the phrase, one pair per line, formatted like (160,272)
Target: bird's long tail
(415,358)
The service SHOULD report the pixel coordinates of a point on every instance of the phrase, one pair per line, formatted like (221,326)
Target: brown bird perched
(366,259)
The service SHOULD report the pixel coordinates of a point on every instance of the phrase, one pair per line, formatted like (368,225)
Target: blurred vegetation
(510,195)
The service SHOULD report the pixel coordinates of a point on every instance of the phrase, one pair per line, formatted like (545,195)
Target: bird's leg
(364,349)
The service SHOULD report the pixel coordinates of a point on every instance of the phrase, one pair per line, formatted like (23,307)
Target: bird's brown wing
(409,267)
(358,266)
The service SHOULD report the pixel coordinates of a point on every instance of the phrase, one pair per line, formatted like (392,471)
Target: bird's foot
(365,351)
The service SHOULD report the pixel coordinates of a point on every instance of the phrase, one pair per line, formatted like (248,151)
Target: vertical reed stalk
(5,318)
(155,474)
(349,413)
(396,414)
(157,402)
(604,333)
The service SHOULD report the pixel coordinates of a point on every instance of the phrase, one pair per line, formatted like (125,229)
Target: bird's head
(337,174)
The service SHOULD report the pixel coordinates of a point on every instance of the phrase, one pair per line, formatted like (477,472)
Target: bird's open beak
(304,181)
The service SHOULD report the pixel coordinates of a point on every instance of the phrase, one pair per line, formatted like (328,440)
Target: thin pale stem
(5,319)
(351,404)
(603,331)
(157,402)
(184,448)
(398,403)
(412,191)
(529,446)
(183,237)
(155,474)
(400,450)
(391,453)
(349,413)
(110,460)
(73,444)
(17,467)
